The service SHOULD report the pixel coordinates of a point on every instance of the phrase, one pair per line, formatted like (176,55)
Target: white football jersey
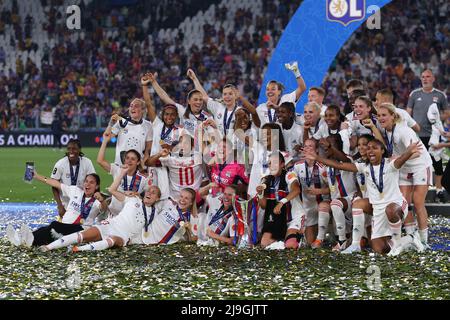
(324,132)
(308,176)
(73,210)
(184,172)
(403,137)
(341,183)
(391,189)
(170,136)
(190,124)
(165,227)
(266,115)
(292,137)
(61,172)
(132,136)
(222,115)
(223,225)
(131,219)
(138,183)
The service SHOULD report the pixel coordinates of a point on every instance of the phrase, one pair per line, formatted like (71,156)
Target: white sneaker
(352,248)
(26,236)
(417,243)
(278,245)
(396,249)
(12,235)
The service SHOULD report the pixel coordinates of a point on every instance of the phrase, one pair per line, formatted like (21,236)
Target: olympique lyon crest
(346,11)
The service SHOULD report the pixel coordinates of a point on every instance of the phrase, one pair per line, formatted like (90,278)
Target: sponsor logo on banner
(346,11)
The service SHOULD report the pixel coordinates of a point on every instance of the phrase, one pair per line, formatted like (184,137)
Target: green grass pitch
(12,168)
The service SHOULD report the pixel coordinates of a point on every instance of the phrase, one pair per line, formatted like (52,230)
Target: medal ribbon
(227,121)
(220,214)
(148,221)
(135,183)
(74,177)
(85,208)
(379,186)
(165,134)
(389,144)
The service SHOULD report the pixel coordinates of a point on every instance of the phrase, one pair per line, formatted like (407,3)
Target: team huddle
(224,171)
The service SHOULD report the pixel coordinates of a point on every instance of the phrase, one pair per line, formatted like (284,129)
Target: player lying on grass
(389,205)
(117,231)
(82,210)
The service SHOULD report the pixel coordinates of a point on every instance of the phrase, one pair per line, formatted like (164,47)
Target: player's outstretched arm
(346,166)
(51,182)
(101,153)
(113,188)
(301,85)
(160,91)
(251,108)
(151,110)
(198,86)
(152,161)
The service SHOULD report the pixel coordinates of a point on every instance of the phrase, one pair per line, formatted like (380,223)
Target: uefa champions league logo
(346,11)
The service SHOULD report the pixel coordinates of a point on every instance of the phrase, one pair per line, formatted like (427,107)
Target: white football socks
(339,218)
(66,241)
(358,225)
(324,219)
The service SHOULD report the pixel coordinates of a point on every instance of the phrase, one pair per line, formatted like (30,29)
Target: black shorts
(43,236)
(275,223)
(437,165)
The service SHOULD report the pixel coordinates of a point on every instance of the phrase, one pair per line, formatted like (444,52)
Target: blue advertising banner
(313,37)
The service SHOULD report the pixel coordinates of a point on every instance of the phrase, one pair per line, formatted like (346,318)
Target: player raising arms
(415,174)
(134,180)
(70,170)
(190,116)
(314,186)
(274,89)
(389,206)
(82,210)
(283,222)
(117,231)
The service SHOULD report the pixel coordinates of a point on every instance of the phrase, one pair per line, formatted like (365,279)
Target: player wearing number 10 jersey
(184,164)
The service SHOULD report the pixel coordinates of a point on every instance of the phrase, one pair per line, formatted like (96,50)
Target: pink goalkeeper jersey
(227,174)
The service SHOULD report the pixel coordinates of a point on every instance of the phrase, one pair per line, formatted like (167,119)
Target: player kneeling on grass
(117,231)
(277,194)
(389,205)
(82,210)
(221,221)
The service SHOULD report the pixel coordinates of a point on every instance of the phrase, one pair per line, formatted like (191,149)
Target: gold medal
(363,187)
(381,195)
(333,188)
(161,142)
(145,234)
(81,221)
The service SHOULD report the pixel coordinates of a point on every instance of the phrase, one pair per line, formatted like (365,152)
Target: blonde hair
(315,105)
(391,108)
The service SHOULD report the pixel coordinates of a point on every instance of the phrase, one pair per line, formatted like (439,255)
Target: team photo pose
(292,132)
(389,205)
